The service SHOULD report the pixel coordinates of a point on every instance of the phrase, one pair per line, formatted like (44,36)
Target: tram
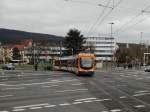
(80,64)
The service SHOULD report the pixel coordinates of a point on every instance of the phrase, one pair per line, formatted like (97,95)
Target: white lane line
(3,76)
(77,84)
(64,104)
(54,80)
(4,111)
(48,106)
(139,106)
(115,110)
(3,84)
(77,103)
(35,105)
(18,110)
(40,83)
(141,94)
(107,99)
(49,86)
(4,79)
(13,88)
(88,101)
(5,96)
(98,100)
(122,97)
(71,90)
(135,75)
(139,78)
(85,99)
(144,91)
(33,108)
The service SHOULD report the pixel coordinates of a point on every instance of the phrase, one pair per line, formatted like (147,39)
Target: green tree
(16,54)
(74,40)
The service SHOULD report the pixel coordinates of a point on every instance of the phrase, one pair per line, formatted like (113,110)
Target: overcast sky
(58,16)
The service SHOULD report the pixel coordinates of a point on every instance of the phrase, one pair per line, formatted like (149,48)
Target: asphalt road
(115,91)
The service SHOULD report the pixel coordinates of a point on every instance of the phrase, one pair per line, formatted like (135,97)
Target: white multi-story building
(103,47)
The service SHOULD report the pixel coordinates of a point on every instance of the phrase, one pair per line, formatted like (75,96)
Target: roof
(19,46)
(27,42)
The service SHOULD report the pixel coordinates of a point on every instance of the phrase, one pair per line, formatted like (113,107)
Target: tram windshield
(86,62)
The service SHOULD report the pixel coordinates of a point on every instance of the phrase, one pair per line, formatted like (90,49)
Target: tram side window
(71,63)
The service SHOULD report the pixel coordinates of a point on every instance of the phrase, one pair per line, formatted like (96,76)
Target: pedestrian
(36,67)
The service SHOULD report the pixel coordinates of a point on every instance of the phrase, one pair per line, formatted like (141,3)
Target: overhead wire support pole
(111,34)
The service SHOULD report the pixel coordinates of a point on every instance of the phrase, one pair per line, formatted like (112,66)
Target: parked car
(8,67)
(147,68)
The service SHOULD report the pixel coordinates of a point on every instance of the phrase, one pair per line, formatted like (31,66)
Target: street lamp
(111,35)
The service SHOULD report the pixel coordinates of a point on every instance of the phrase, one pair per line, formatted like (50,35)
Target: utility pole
(147,50)
(34,60)
(111,35)
(141,47)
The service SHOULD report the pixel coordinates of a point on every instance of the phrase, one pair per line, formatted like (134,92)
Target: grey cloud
(58,16)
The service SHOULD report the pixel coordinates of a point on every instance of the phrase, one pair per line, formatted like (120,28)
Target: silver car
(8,67)
(147,68)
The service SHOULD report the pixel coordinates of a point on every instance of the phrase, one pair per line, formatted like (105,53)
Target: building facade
(103,47)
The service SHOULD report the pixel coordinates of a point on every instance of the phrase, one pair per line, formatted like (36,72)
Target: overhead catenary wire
(132,25)
(109,12)
(100,21)
(101,17)
(82,2)
(126,25)
(98,18)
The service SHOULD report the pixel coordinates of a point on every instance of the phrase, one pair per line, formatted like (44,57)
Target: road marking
(18,110)
(139,78)
(54,80)
(35,105)
(107,99)
(49,86)
(71,90)
(122,97)
(48,106)
(139,106)
(48,82)
(141,94)
(142,91)
(135,75)
(86,99)
(41,83)
(77,102)
(13,88)
(2,84)
(64,104)
(3,76)
(4,79)
(5,96)
(33,108)
(115,110)
(4,111)
(98,100)
(77,84)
